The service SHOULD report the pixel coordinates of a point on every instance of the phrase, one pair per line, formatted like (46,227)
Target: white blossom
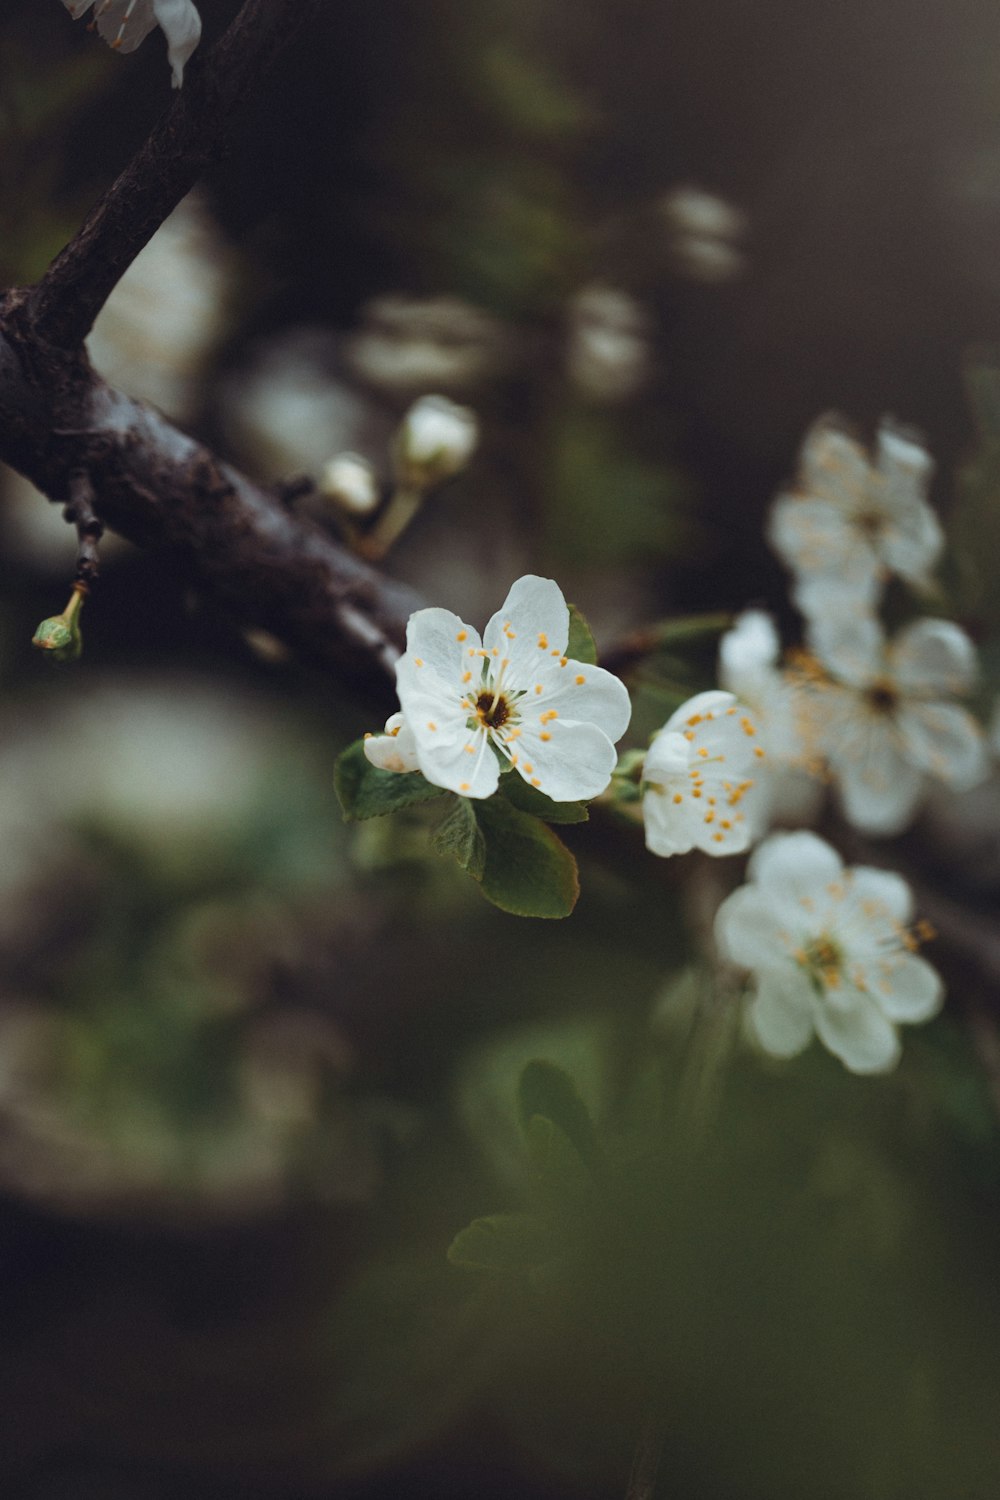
(350,481)
(125,25)
(435,441)
(702,779)
(882,716)
(849,523)
(395,749)
(832,952)
(468,705)
(749,657)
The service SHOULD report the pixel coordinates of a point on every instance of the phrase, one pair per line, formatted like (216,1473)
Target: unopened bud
(349,481)
(436,440)
(59,636)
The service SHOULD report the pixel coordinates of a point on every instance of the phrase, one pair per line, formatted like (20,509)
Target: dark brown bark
(70,433)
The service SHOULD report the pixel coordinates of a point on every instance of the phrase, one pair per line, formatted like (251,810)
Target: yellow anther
(466,676)
(469,749)
(694,719)
(678,797)
(579,678)
(368,736)
(758,752)
(703,752)
(543,642)
(463,635)
(431,725)
(528,768)
(718,837)
(418,661)
(538,687)
(545,735)
(689,734)
(535,781)
(463,786)
(747,726)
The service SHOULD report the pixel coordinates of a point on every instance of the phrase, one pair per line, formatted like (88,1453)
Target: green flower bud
(59,636)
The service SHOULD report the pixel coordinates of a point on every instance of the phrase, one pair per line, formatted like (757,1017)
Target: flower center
(823,961)
(492,709)
(882,697)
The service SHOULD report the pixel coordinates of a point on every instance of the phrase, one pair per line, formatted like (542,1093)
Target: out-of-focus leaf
(581,645)
(547,1090)
(502,1242)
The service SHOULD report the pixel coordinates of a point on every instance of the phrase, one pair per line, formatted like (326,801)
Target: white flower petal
(748,655)
(750,929)
(461,762)
(912,989)
(879,790)
(181,25)
(790,865)
(574,763)
(851,1025)
(714,702)
(945,741)
(670,828)
(530,628)
(904,470)
(781,1014)
(833,466)
(396,750)
(438,643)
(882,893)
(584,694)
(669,755)
(123,32)
(933,658)
(850,646)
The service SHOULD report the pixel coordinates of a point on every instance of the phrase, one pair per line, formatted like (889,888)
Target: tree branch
(186,140)
(119,463)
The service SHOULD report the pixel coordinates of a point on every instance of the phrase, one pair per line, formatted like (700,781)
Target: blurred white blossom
(154,334)
(702,780)
(749,666)
(435,441)
(350,481)
(850,523)
(882,716)
(125,25)
(609,355)
(406,346)
(704,234)
(831,952)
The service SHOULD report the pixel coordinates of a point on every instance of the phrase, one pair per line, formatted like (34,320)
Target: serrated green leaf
(581,645)
(547,1090)
(530,800)
(502,1242)
(459,835)
(529,871)
(367,792)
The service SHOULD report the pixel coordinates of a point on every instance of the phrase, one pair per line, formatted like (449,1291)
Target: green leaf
(560,1176)
(502,1242)
(528,870)
(581,645)
(459,834)
(366,792)
(548,1091)
(530,800)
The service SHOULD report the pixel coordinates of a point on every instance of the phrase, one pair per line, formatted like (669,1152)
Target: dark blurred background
(256,1067)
